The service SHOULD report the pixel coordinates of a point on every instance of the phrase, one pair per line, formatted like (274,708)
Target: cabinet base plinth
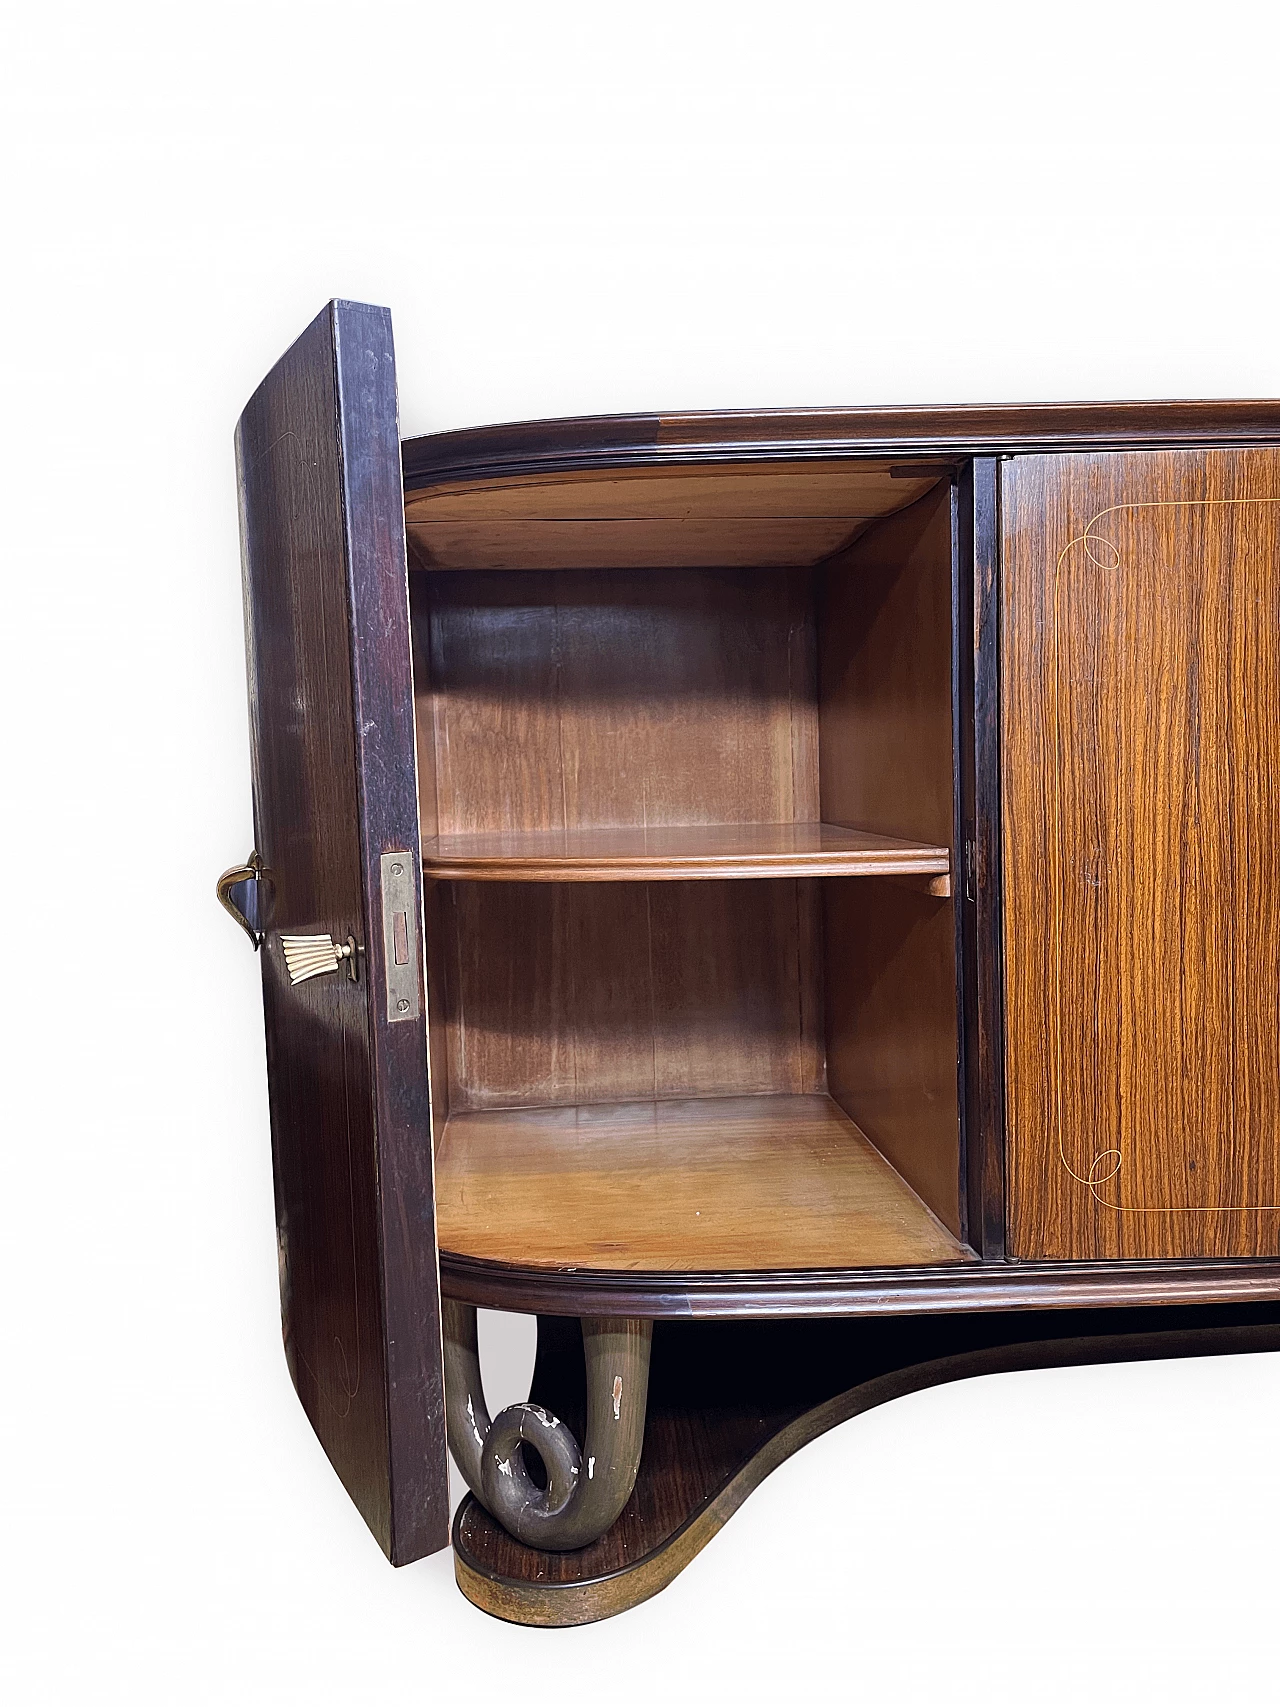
(730,1401)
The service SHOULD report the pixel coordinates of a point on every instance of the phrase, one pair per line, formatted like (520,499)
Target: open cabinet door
(1140,740)
(336,822)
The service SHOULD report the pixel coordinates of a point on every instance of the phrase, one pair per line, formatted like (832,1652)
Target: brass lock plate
(402,950)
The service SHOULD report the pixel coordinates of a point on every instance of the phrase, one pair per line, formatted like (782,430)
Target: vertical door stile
(335,791)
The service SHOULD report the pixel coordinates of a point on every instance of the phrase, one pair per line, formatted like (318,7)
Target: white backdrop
(569,210)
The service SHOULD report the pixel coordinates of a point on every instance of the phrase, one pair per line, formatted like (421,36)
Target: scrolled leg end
(586,1487)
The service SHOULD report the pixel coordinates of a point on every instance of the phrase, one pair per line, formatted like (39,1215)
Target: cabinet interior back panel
(575,699)
(561,993)
(1140,731)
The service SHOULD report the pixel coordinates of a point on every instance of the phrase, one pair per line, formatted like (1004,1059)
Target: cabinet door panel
(1140,739)
(334,789)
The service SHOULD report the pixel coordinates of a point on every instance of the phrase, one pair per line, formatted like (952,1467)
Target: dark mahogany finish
(977,606)
(617,441)
(331,704)
(971,1287)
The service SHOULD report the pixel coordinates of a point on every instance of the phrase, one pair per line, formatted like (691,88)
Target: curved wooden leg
(729,1401)
(587,1486)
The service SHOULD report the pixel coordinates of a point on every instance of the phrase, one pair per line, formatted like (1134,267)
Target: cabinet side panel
(885,709)
(891,1030)
(884,677)
(1140,749)
(434,924)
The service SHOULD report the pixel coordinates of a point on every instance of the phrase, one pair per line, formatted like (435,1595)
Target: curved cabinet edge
(621,441)
(958,1287)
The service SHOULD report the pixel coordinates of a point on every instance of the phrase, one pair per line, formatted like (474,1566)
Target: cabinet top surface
(959,430)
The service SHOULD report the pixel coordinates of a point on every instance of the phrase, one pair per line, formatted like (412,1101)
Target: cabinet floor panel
(680,852)
(707,1184)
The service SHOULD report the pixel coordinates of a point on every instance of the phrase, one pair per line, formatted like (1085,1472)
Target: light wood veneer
(1141,752)
(738,515)
(679,853)
(742,1183)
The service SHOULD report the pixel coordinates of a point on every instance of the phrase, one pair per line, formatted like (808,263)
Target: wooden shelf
(712,1184)
(679,853)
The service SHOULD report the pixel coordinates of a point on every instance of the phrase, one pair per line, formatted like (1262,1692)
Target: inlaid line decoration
(1107,1163)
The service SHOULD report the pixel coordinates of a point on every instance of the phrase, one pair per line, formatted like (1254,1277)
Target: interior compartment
(686,785)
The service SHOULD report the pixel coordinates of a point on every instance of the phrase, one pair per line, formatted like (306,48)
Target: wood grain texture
(630,700)
(889,1003)
(568,993)
(786,513)
(1141,750)
(562,703)
(608,721)
(678,854)
(884,673)
(886,756)
(729,543)
(331,714)
(728,1403)
(435,940)
(714,1183)
(436,931)
(618,442)
(787,490)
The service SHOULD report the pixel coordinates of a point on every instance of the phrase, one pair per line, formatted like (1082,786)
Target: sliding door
(1140,740)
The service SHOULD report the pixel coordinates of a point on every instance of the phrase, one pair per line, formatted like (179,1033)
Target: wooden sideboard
(786,898)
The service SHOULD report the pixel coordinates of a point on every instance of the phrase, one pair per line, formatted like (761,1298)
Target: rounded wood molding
(962,431)
(962,1288)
